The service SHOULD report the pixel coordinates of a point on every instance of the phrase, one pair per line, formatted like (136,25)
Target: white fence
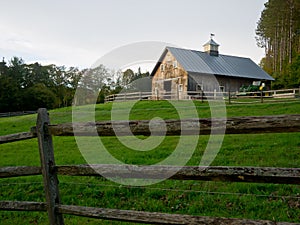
(200,95)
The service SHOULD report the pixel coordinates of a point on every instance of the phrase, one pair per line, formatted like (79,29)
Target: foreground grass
(235,200)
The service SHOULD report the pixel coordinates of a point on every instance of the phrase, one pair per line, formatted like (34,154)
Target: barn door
(168,89)
(168,85)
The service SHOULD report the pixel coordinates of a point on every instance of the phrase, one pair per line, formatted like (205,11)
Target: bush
(39,96)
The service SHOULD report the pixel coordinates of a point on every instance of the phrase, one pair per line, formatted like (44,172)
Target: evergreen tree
(278,32)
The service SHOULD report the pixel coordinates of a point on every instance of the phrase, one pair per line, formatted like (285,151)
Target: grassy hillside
(237,200)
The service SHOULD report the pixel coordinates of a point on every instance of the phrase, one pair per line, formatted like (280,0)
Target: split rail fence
(53,205)
(20,113)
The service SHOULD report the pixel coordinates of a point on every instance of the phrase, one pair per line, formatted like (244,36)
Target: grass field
(235,200)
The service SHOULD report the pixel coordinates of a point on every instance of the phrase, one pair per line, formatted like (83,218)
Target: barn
(184,72)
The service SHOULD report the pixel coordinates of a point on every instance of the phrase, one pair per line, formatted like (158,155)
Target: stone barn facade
(182,72)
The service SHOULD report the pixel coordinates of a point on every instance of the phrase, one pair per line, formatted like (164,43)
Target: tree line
(31,86)
(278,32)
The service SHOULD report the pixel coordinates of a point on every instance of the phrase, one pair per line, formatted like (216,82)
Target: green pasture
(235,200)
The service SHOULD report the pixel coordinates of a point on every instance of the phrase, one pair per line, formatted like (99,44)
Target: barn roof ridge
(193,50)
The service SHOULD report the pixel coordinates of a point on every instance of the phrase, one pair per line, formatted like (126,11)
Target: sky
(78,33)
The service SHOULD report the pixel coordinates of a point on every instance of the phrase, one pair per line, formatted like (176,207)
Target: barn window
(180,87)
(175,64)
(222,89)
(169,60)
(199,87)
(162,67)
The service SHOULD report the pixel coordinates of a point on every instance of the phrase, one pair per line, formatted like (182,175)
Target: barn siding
(177,76)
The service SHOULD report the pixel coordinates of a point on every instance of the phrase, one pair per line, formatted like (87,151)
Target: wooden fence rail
(211,173)
(17,137)
(233,125)
(20,113)
(237,125)
(19,171)
(133,216)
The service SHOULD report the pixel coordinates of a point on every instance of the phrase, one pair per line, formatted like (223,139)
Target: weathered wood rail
(233,125)
(211,173)
(17,137)
(237,125)
(20,113)
(133,216)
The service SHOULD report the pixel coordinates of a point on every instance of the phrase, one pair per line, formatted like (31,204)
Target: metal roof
(203,63)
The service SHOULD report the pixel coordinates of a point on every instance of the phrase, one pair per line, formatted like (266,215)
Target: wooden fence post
(48,164)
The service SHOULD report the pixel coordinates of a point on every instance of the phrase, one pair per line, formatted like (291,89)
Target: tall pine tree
(278,32)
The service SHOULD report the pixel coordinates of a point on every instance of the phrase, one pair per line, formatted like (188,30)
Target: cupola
(211,47)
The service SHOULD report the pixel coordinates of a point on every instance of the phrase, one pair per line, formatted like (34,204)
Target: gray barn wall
(210,82)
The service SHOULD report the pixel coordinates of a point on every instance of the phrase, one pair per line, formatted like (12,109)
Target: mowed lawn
(234,200)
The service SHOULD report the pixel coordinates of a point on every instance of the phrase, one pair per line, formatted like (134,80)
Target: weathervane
(212,35)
